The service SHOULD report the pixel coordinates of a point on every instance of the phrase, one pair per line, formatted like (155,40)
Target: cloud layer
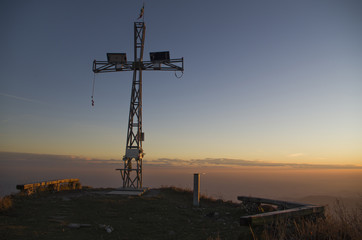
(27,159)
(225,162)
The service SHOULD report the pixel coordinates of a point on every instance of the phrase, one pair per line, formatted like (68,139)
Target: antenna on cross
(142,13)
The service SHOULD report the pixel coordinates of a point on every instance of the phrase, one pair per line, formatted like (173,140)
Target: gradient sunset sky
(274,81)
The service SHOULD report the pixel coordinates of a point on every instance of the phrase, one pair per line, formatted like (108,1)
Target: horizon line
(174,162)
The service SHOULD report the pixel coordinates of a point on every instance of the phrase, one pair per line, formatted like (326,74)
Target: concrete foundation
(129,191)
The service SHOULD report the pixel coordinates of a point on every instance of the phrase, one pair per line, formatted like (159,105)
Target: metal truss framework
(132,161)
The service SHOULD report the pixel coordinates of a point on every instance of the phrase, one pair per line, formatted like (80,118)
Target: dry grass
(5,203)
(176,189)
(203,197)
(339,223)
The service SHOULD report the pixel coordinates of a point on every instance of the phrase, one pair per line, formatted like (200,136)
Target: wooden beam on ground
(290,210)
(279,203)
(55,185)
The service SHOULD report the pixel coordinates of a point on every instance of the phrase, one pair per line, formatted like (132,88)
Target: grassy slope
(161,214)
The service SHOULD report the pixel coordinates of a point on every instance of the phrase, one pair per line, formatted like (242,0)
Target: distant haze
(219,181)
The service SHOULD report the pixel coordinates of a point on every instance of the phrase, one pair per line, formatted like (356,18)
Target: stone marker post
(197,189)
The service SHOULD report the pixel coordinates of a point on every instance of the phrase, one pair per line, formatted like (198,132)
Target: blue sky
(277,81)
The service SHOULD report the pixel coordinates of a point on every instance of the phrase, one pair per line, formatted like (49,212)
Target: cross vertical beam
(134,151)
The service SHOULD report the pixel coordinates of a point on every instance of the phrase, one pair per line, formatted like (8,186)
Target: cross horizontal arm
(169,65)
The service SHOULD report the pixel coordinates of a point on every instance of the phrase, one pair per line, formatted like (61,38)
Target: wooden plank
(55,184)
(270,217)
(290,210)
(279,203)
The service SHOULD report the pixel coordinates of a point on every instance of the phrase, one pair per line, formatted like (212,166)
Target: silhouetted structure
(117,62)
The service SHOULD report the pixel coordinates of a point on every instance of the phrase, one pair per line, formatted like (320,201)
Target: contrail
(22,98)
